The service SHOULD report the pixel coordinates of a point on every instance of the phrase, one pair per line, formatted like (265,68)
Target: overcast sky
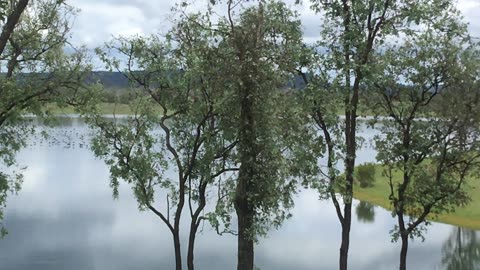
(100,20)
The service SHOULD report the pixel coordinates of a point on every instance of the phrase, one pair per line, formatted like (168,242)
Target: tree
(36,71)
(177,122)
(263,45)
(365,175)
(430,140)
(219,85)
(342,67)
(257,46)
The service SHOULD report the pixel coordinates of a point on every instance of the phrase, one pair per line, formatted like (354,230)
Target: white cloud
(465,5)
(100,20)
(471,11)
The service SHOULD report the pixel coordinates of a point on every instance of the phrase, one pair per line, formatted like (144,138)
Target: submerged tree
(35,71)
(342,67)
(430,142)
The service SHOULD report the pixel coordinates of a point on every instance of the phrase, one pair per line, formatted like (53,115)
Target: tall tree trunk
(403,252)
(351,103)
(178,251)
(244,210)
(351,147)
(194,223)
(345,237)
(249,148)
(248,154)
(403,236)
(191,245)
(245,241)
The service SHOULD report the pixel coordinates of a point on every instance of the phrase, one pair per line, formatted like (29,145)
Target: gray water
(65,218)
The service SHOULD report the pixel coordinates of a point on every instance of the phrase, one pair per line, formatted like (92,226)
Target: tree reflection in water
(461,251)
(365,212)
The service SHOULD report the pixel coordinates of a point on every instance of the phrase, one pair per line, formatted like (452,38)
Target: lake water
(65,218)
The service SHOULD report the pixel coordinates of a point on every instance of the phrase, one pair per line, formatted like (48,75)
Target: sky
(100,20)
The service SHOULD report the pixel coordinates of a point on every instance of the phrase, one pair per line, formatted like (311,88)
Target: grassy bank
(119,108)
(468,216)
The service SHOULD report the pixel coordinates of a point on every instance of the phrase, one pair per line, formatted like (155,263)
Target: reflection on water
(65,218)
(365,212)
(462,250)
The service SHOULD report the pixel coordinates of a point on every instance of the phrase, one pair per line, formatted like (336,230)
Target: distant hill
(115,80)
(110,80)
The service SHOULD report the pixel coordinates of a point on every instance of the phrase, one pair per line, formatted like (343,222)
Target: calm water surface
(65,218)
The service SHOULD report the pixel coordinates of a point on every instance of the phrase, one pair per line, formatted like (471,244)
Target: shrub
(365,175)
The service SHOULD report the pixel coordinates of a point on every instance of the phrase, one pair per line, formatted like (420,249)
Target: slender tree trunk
(345,237)
(178,251)
(194,223)
(403,252)
(350,134)
(350,138)
(403,235)
(12,21)
(191,245)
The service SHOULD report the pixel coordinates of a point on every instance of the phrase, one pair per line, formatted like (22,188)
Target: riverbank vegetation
(467,215)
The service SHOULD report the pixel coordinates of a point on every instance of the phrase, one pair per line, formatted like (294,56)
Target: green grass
(467,216)
(110,108)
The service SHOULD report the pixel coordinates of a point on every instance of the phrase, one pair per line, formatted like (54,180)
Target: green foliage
(365,175)
(175,149)
(259,49)
(395,57)
(37,71)
(431,136)
(189,100)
